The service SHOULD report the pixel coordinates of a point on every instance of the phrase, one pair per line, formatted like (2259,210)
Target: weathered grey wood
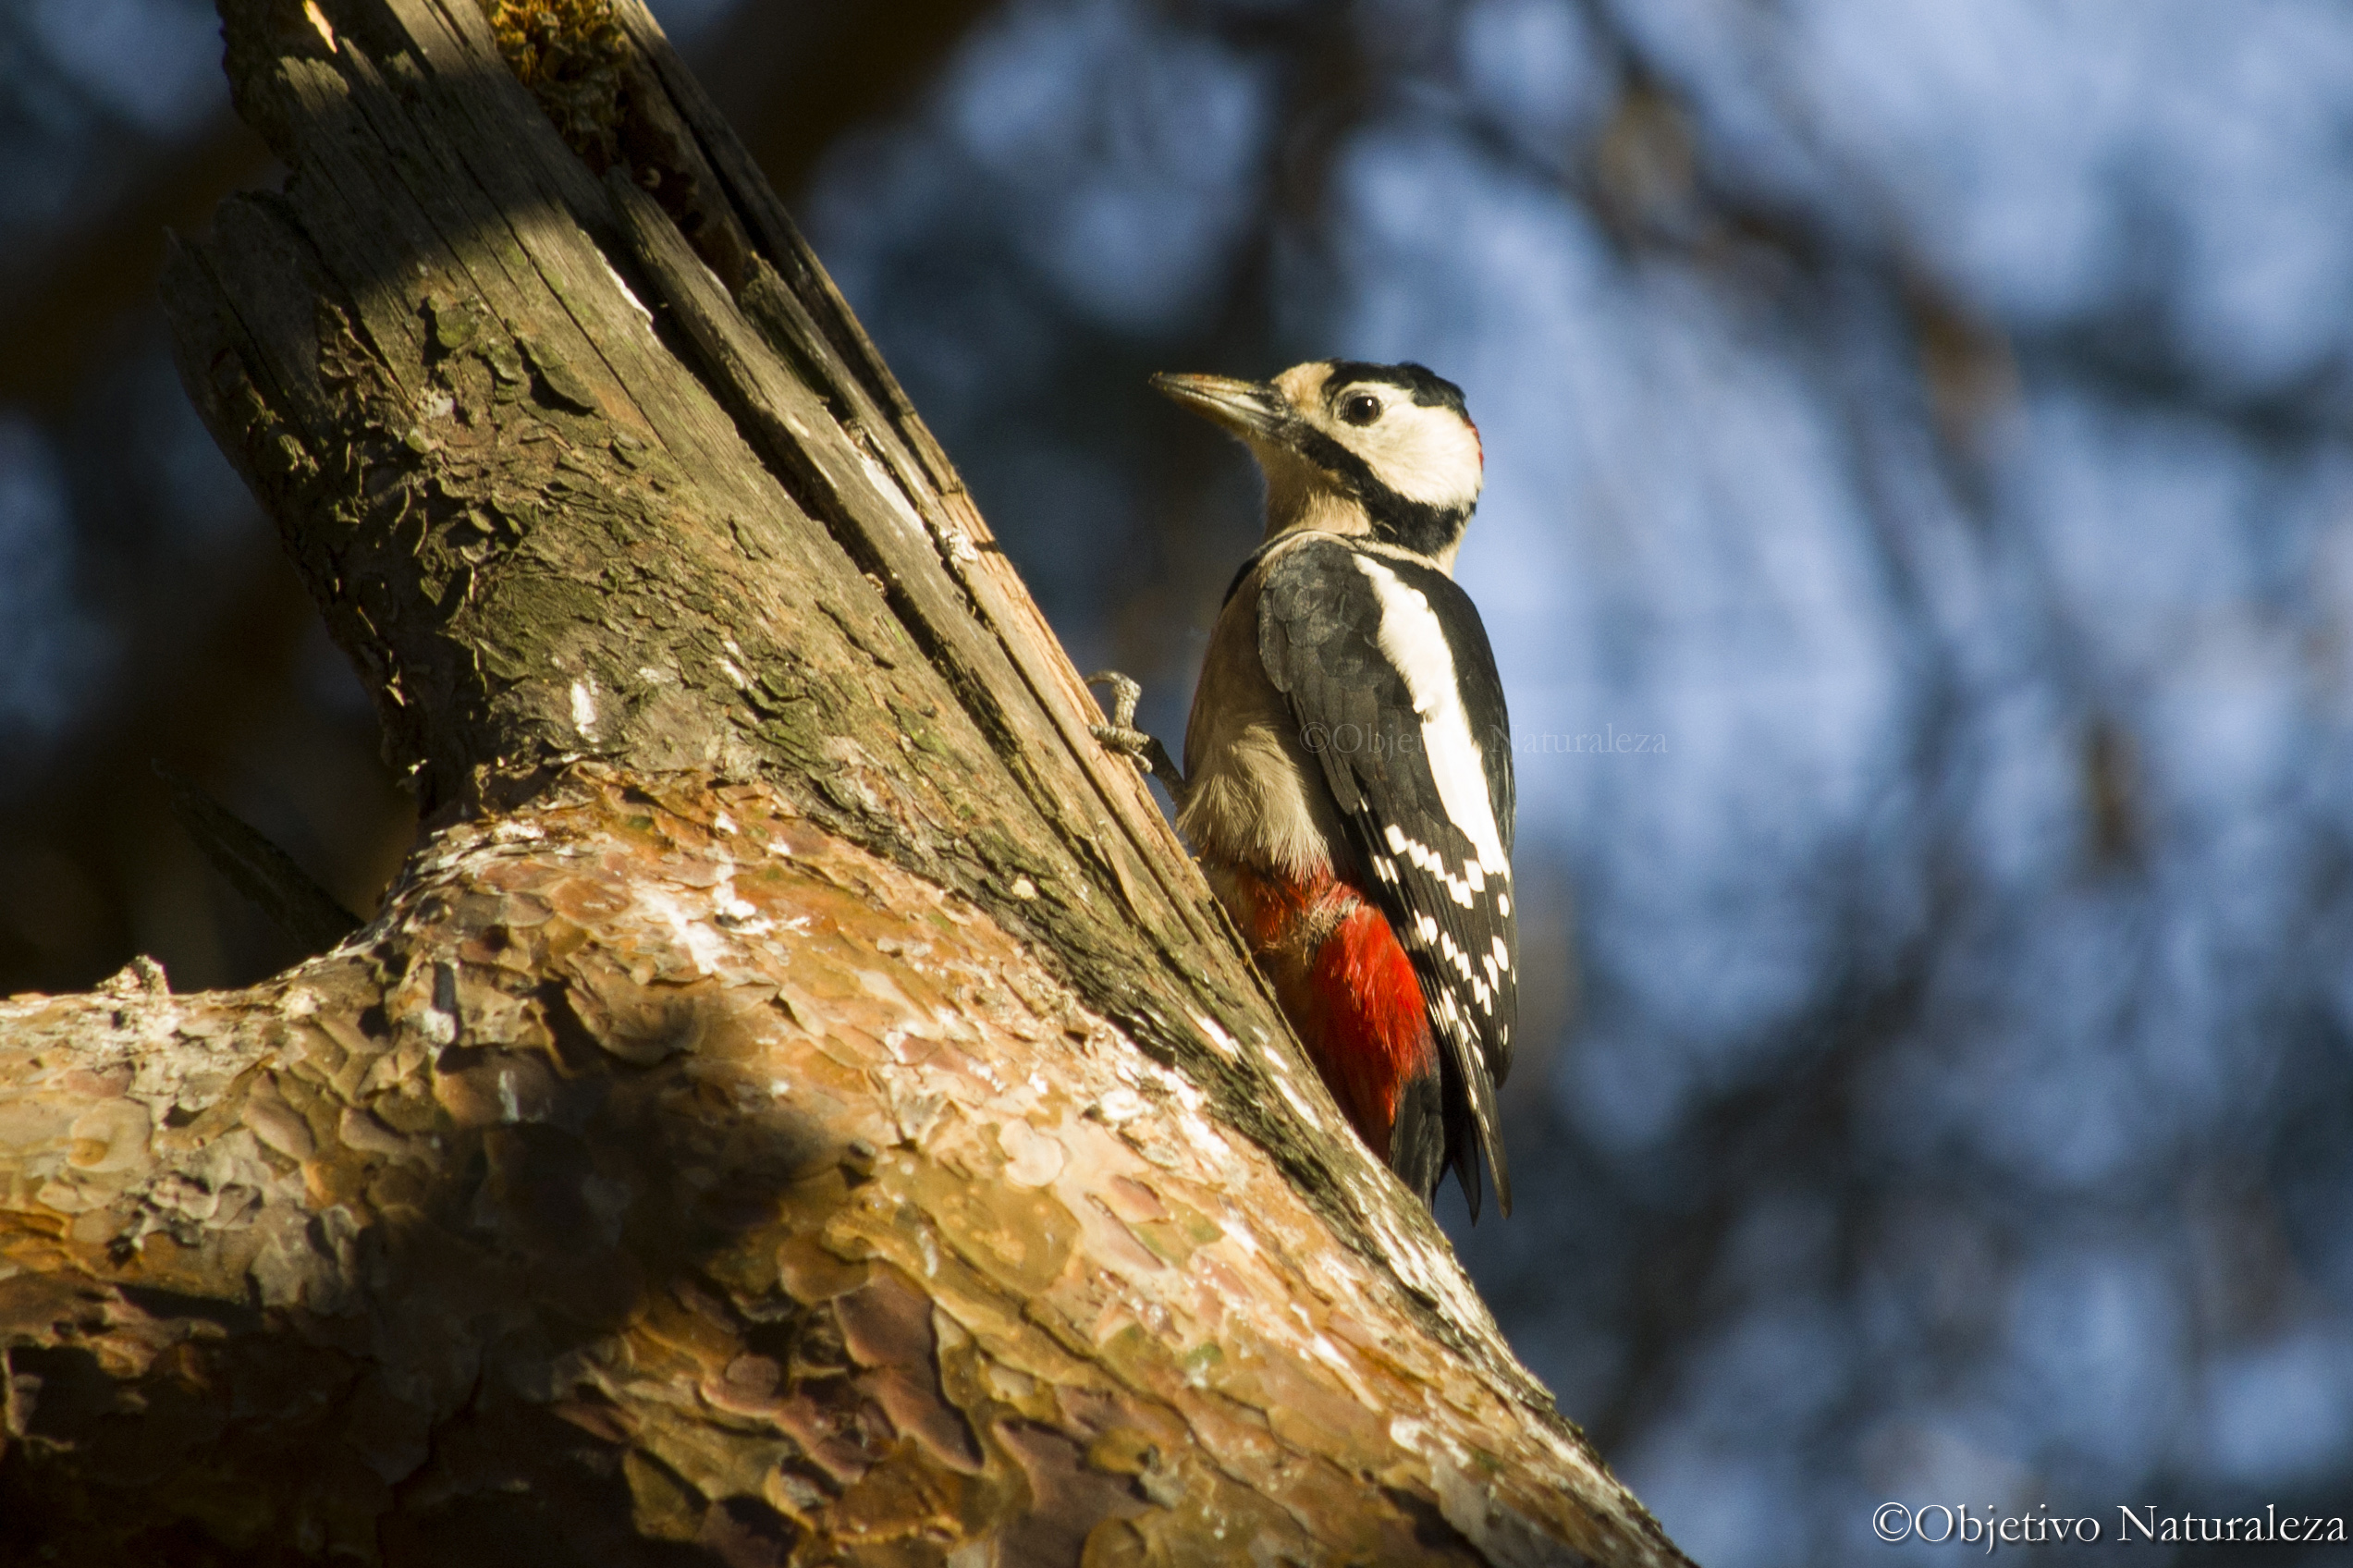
(584,479)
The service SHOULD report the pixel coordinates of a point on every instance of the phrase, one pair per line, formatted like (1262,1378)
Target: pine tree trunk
(798,1104)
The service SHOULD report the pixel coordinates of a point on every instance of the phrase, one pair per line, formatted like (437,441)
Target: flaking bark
(800,1104)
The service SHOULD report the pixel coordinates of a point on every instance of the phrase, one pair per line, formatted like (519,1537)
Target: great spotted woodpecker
(1348,765)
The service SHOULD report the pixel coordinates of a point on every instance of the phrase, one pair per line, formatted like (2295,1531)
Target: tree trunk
(798,1104)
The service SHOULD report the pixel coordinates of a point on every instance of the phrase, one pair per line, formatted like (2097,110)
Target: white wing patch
(1427,859)
(1412,640)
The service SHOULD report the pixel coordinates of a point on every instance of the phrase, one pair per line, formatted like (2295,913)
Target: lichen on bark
(572,54)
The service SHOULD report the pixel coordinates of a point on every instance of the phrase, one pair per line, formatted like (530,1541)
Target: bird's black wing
(1351,637)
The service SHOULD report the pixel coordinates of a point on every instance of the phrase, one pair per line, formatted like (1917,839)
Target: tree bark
(798,1104)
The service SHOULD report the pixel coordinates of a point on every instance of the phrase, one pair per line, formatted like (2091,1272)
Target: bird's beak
(1246,408)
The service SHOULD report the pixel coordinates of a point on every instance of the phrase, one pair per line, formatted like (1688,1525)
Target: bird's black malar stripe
(1413,525)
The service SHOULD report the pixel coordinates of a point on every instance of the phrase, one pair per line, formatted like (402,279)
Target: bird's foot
(1125,695)
(1121,736)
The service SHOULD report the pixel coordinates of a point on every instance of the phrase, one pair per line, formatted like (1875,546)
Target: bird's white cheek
(1436,464)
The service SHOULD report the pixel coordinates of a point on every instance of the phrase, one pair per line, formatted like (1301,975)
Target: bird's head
(1350,448)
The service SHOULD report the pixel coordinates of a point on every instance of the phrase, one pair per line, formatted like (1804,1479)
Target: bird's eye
(1360,408)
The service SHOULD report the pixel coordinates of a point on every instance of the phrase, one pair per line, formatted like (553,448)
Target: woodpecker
(1347,781)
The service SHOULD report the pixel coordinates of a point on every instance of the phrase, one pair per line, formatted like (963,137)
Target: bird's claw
(1125,695)
(1121,736)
